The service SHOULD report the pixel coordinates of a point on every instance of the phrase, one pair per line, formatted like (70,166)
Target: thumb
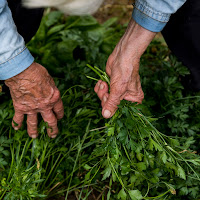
(110,104)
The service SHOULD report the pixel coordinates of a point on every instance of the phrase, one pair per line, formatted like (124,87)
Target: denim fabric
(154,14)
(14,57)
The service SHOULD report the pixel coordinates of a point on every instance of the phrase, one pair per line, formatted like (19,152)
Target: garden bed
(93,158)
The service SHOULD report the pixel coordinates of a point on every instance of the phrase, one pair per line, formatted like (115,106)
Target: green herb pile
(131,156)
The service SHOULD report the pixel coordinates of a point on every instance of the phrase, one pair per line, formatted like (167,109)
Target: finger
(96,88)
(117,91)
(50,118)
(32,125)
(110,106)
(56,96)
(59,109)
(108,64)
(135,98)
(102,90)
(104,99)
(108,70)
(135,93)
(17,120)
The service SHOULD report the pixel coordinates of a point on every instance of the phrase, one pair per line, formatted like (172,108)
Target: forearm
(134,42)
(14,57)
(123,69)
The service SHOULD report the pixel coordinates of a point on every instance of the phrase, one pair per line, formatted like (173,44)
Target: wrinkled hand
(124,84)
(123,69)
(34,91)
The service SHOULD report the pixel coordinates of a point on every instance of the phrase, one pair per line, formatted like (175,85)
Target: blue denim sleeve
(153,15)
(14,56)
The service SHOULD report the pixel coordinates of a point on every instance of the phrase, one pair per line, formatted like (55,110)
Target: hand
(123,69)
(34,91)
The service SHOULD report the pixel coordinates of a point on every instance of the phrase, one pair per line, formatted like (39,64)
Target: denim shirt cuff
(16,65)
(148,17)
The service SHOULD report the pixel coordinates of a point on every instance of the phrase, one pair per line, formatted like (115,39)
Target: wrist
(30,75)
(135,40)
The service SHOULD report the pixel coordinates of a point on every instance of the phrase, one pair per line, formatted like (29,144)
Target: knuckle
(141,96)
(57,94)
(58,108)
(107,70)
(113,103)
(19,107)
(32,124)
(52,122)
(110,60)
(32,132)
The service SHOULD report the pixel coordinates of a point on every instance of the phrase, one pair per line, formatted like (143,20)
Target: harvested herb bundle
(141,158)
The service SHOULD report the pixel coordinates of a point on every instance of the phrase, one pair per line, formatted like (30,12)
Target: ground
(115,8)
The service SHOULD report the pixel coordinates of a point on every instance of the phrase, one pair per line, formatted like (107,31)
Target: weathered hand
(123,69)
(125,84)
(34,91)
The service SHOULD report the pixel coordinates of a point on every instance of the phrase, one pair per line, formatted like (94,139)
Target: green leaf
(38,181)
(122,194)
(171,166)
(87,167)
(135,194)
(65,50)
(184,191)
(125,169)
(84,21)
(133,179)
(163,157)
(87,176)
(156,171)
(6,152)
(55,29)
(150,144)
(139,156)
(108,195)
(53,18)
(194,191)
(157,146)
(106,173)
(110,22)
(2,162)
(111,131)
(181,172)
(154,180)
(141,166)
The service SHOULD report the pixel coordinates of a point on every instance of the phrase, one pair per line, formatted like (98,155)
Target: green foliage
(138,154)
(66,45)
(4,152)
(122,158)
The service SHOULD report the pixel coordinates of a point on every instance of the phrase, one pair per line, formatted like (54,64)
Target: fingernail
(104,98)
(101,86)
(107,114)
(16,128)
(34,136)
(53,136)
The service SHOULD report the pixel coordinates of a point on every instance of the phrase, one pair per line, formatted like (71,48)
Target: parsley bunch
(139,157)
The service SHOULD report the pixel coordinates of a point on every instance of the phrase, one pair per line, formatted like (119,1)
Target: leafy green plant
(4,152)
(122,158)
(137,154)
(66,45)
